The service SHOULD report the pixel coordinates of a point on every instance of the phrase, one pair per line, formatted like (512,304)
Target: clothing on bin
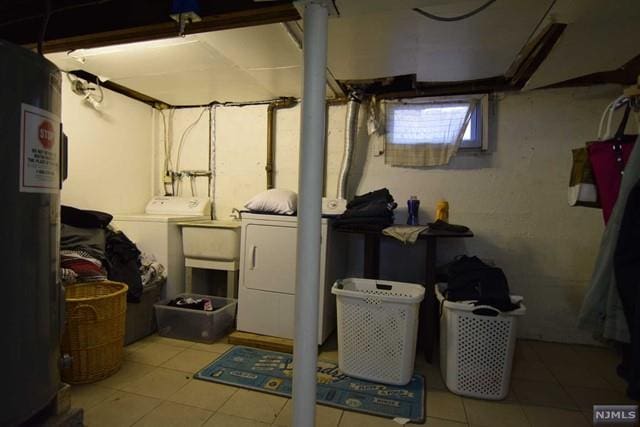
(68,276)
(203,304)
(470,279)
(627,273)
(372,211)
(84,218)
(85,267)
(151,271)
(124,263)
(89,240)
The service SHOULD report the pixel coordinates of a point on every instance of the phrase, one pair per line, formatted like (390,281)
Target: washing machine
(156,232)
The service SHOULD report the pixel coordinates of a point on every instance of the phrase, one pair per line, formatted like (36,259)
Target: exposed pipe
(351,130)
(312,143)
(280,103)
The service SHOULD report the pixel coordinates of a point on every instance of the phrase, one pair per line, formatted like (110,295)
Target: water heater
(30,291)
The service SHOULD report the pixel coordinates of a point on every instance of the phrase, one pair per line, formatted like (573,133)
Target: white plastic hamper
(476,351)
(377,328)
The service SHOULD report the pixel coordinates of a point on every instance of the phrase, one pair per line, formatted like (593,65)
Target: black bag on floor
(472,279)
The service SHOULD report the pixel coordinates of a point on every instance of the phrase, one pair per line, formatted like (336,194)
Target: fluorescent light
(131,47)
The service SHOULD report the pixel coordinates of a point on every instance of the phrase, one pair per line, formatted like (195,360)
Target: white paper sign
(39,151)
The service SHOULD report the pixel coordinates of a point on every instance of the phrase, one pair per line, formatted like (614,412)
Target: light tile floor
(552,385)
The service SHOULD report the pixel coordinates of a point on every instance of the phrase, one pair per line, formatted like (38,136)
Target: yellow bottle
(442,210)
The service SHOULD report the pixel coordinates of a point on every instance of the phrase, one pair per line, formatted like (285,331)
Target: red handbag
(608,159)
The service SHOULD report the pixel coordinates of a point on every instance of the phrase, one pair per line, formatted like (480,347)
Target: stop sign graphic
(46,134)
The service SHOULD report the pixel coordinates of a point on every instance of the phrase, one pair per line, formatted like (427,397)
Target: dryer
(266,294)
(157,233)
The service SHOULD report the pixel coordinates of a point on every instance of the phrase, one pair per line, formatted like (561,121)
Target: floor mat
(270,372)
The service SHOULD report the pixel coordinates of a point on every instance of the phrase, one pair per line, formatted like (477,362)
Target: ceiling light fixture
(85,89)
(81,55)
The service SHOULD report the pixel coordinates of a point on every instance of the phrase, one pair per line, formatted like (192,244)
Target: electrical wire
(165,135)
(212,159)
(194,193)
(185,133)
(45,24)
(100,90)
(454,18)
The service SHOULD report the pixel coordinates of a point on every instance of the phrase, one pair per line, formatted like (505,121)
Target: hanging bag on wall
(608,159)
(582,186)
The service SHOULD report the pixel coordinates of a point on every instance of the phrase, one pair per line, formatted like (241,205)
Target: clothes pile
(471,279)
(202,304)
(372,211)
(151,270)
(91,250)
(83,245)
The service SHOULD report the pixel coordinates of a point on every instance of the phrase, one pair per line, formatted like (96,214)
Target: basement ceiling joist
(93,23)
(376,39)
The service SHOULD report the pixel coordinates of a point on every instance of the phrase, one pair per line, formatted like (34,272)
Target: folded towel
(405,233)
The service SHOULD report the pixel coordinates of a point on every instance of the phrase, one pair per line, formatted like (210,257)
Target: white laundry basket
(377,328)
(476,351)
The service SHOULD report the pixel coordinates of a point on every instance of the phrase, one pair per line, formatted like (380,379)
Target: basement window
(429,131)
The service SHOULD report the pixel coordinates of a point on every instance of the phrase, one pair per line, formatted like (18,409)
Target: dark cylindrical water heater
(30,295)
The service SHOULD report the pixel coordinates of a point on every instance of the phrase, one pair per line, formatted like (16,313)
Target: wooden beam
(466,87)
(406,86)
(123,90)
(533,55)
(625,75)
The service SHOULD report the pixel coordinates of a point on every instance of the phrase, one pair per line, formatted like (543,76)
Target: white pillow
(274,201)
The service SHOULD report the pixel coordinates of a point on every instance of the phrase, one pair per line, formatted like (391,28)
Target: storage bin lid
(399,292)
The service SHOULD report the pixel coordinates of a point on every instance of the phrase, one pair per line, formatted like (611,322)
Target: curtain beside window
(425,134)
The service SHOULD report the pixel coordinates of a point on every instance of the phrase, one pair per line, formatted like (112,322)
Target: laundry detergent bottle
(413,205)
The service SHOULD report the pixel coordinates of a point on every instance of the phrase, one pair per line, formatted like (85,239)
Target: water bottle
(413,204)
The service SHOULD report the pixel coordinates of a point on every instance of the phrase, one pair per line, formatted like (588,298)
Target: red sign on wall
(46,135)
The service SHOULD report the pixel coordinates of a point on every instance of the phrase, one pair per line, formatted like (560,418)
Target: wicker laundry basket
(94,330)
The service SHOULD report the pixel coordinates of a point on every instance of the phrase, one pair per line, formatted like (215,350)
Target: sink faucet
(235,214)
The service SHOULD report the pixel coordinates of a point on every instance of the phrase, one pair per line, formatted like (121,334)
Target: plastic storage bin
(196,325)
(141,320)
(377,328)
(476,350)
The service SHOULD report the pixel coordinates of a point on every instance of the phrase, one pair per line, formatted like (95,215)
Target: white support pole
(311,166)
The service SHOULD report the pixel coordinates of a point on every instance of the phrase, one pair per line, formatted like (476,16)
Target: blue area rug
(270,372)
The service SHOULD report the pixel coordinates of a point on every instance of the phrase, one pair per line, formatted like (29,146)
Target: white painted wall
(240,151)
(191,126)
(109,153)
(514,199)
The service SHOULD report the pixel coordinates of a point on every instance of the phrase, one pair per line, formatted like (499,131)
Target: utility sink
(217,240)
